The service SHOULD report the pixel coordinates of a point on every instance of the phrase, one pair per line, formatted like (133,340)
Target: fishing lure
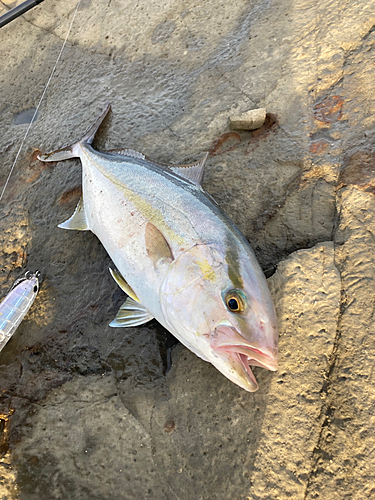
(16,304)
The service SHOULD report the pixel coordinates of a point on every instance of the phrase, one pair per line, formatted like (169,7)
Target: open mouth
(251,355)
(244,360)
(227,340)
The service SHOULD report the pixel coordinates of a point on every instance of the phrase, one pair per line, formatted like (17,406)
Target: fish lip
(242,349)
(255,357)
(245,364)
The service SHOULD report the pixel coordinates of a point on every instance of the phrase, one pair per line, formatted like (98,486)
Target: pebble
(250,120)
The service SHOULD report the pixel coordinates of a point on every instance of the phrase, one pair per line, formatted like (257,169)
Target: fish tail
(90,134)
(72,151)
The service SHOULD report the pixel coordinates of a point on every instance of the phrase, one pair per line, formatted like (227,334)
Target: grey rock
(301,188)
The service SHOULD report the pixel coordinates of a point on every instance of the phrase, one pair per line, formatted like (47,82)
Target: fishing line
(40,101)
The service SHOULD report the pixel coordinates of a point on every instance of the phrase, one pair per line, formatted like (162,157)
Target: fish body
(180,258)
(16,305)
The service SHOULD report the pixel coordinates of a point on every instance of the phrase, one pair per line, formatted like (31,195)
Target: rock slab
(300,188)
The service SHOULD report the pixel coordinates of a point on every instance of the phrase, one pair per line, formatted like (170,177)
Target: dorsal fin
(123,284)
(128,152)
(194,172)
(78,220)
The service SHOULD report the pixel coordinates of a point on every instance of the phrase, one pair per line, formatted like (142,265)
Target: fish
(16,305)
(179,257)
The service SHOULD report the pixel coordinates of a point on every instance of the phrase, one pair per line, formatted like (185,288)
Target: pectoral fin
(123,285)
(156,245)
(77,220)
(131,313)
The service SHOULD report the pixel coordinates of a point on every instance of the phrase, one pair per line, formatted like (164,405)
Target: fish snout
(258,352)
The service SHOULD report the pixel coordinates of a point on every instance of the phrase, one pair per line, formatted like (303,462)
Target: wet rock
(329,109)
(26,116)
(166,438)
(269,124)
(94,448)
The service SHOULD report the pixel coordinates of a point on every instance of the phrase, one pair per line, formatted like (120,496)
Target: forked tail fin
(72,151)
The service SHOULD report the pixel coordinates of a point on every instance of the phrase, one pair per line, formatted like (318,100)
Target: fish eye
(233,304)
(35,289)
(234,301)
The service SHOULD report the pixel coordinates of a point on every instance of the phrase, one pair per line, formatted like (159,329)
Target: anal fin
(131,313)
(77,220)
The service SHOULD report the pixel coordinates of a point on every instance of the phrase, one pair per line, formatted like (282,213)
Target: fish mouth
(228,341)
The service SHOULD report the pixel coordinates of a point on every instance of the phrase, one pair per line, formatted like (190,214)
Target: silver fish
(16,305)
(180,258)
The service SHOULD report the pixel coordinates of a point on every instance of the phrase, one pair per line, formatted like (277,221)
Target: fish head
(216,302)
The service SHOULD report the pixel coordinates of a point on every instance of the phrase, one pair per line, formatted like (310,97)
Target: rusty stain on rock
(71,194)
(36,166)
(14,241)
(318,146)
(270,124)
(169,426)
(226,142)
(25,173)
(329,110)
(359,170)
(34,460)
(4,431)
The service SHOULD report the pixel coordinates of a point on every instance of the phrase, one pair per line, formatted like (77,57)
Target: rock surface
(87,411)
